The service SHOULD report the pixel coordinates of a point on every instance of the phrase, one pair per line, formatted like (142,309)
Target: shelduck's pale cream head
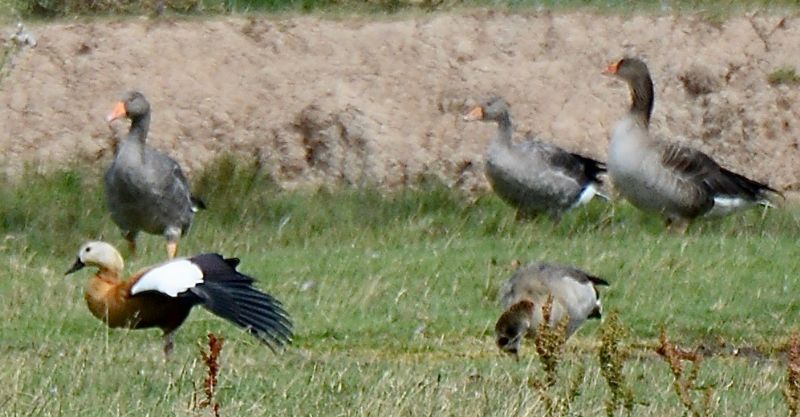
(99,254)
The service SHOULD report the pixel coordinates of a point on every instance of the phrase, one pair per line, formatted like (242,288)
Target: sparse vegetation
(612,355)
(549,343)
(8,49)
(786,75)
(382,267)
(211,360)
(62,8)
(685,383)
(791,391)
(714,12)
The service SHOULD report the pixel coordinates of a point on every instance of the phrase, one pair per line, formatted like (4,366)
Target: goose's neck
(642,98)
(504,129)
(137,135)
(139,127)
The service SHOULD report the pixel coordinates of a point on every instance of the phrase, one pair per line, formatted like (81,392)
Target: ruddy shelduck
(162,296)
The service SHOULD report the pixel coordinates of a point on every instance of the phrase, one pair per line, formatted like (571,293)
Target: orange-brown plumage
(163,295)
(109,299)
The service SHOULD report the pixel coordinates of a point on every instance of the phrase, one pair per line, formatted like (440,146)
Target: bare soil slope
(357,102)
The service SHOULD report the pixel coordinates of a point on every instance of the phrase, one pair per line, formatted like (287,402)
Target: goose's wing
(170,184)
(570,164)
(688,163)
(578,166)
(696,166)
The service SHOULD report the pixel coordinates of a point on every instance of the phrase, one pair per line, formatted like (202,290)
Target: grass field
(394,301)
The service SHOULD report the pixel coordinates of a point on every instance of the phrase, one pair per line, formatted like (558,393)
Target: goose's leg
(131,238)
(677,225)
(172,249)
(173,235)
(525,215)
(169,342)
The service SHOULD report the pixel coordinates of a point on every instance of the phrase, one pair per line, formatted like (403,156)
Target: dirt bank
(358,101)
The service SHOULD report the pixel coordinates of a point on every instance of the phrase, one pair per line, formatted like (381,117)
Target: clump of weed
(51,211)
(785,75)
(550,343)
(686,380)
(7,51)
(230,177)
(791,392)
(612,355)
(228,181)
(60,8)
(699,80)
(13,46)
(211,360)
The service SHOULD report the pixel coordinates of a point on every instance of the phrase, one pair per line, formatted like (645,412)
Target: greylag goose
(574,294)
(146,189)
(163,295)
(533,176)
(676,181)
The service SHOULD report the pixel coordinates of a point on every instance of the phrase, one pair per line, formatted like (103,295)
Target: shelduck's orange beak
(75,267)
(475,114)
(119,111)
(612,69)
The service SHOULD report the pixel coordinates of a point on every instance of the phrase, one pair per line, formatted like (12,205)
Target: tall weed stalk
(550,343)
(791,392)
(211,360)
(686,379)
(612,355)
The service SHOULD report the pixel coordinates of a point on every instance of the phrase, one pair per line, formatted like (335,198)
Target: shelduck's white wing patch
(171,278)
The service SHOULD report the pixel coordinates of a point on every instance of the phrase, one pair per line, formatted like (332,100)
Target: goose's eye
(87,250)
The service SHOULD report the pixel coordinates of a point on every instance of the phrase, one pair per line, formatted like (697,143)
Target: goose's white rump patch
(171,278)
(724,205)
(586,195)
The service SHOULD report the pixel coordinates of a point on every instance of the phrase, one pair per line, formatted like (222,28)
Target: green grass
(785,75)
(400,315)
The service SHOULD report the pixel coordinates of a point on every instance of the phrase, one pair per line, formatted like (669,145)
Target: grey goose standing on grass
(146,189)
(533,176)
(676,181)
(574,294)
